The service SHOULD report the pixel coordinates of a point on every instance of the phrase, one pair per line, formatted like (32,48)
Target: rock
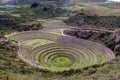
(117,45)
(110,39)
(3,39)
(80,33)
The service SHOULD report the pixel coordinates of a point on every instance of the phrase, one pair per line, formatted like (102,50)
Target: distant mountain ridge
(91,0)
(28,1)
(31,1)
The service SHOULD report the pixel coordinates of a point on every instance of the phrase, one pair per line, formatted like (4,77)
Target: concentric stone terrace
(59,53)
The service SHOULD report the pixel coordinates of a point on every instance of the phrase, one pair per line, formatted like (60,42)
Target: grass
(16,15)
(73,7)
(49,51)
(107,71)
(52,51)
(107,4)
(61,61)
(56,32)
(36,42)
(26,6)
(2,6)
(67,8)
(7,8)
(12,66)
(32,35)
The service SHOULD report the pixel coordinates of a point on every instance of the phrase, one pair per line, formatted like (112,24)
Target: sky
(115,0)
(5,1)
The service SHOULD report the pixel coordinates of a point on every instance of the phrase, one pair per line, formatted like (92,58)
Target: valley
(75,40)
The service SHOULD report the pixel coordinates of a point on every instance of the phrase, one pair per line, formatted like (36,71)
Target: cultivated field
(56,52)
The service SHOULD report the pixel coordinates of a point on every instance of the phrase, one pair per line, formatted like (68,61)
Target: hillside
(53,1)
(30,1)
(109,38)
(112,5)
(89,0)
(46,40)
(82,19)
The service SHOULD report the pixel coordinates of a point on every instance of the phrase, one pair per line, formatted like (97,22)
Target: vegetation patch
(56,32)
(35,42)
(61,61)
(59,53)
(113,5)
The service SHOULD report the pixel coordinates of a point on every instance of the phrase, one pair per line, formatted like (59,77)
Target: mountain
(56,1)
(29,1)
(89,0)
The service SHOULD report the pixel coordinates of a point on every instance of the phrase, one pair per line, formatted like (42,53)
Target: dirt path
(60,25)
(53,24)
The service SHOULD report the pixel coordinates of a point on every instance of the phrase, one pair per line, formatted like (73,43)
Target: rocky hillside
(109,38)
(93,20)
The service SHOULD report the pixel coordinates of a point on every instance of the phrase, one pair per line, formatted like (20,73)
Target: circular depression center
(62,53)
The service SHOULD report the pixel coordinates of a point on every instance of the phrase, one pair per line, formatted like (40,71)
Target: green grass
(36,42)
(74,7)
(7,8)
(61,61)
(56,32)
(26,6)
(46,51)
(68,8)
(2,6)
(11,66)
(16,15)
(107,4)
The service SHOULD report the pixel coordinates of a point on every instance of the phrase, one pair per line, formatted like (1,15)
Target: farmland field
(35,42)
(54,52)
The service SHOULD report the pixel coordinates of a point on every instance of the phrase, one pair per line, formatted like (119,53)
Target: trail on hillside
(53,24)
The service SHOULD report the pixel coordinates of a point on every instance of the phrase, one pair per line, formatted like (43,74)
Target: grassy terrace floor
(53,51)
(35,43)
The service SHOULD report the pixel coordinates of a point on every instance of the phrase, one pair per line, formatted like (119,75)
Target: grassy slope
(110,5)
(13,67)
(17,70)
(36,42)
(101,11)
(56,32)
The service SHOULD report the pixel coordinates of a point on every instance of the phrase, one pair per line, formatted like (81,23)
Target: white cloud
(115,0)
(4,1)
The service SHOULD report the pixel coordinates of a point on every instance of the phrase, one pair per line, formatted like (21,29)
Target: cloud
(5,1)
(115,0)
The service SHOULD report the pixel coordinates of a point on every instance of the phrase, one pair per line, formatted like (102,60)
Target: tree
(34,5)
